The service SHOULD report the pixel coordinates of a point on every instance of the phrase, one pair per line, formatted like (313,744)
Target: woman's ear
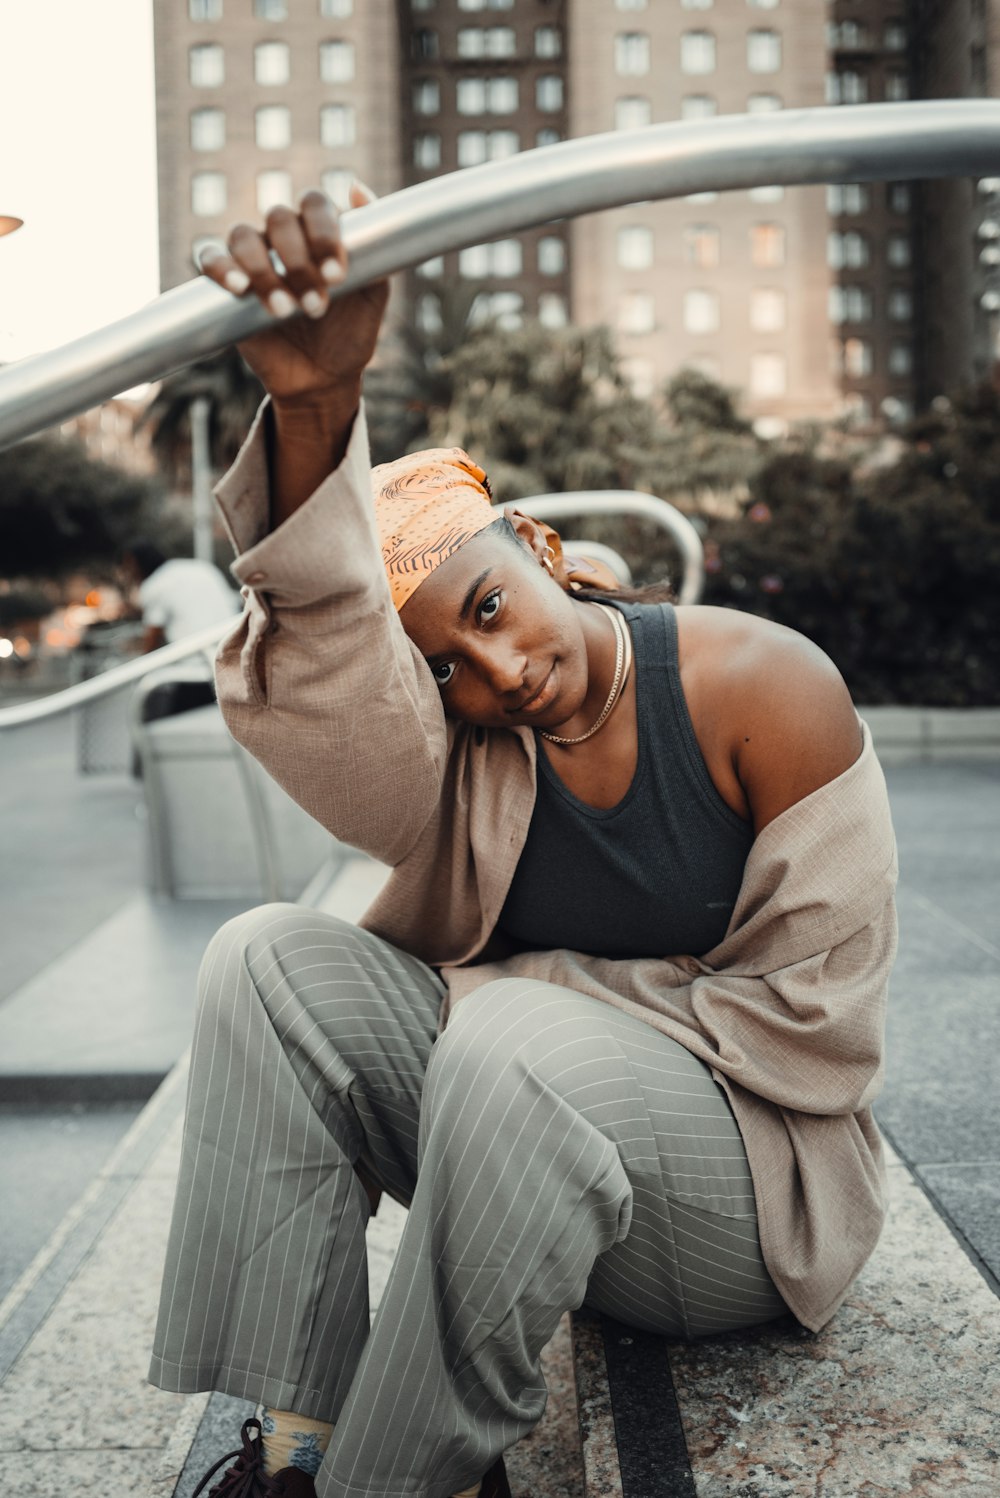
(529,531)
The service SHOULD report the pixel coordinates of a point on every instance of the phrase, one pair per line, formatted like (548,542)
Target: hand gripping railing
(950,138)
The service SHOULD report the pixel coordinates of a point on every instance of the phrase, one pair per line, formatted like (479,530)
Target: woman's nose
(504,668)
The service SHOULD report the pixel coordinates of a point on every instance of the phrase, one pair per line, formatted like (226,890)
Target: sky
(78,164)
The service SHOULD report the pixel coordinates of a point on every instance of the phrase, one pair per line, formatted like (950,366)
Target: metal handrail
(114,679)
(630,502)
(864,142)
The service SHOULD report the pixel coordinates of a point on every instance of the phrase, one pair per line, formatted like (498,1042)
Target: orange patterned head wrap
(427,505)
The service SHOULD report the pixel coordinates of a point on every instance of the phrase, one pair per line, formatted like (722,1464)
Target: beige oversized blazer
(321,684)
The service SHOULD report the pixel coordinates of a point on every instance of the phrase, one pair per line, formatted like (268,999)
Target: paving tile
(53,1474)
(970,1194)
(941,1102)
(897,1396)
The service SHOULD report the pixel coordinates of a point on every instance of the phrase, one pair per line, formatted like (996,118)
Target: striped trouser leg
(310,1050)
(567,1152)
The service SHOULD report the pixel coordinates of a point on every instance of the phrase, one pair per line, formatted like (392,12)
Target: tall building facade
(858,298)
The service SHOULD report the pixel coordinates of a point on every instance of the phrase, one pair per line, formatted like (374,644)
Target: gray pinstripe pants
(552,1150)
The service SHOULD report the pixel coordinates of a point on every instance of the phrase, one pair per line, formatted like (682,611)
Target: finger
(322,226)
(287,235)
(214,261)
(249,250)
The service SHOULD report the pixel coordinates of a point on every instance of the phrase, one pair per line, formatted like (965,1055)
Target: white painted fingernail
(314,303)
(332,270)
(236,281)
(281,304)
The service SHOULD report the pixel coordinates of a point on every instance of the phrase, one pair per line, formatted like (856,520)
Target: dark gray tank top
(658,874)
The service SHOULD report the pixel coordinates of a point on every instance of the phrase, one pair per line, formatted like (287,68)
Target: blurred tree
(61,509)
(893,571)
(233,392)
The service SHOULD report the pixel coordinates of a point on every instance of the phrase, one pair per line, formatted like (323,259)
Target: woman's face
(505,644)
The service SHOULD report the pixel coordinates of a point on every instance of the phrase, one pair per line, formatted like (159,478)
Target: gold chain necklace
(623,650)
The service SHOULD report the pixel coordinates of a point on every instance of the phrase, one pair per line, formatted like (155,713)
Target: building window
(636,312)
(700,197)
(767,375)
(487,41)
(336,62)
(898,250)
(763,51)
(503,308)
(900,358)
(271,63)
(336,182)
(841,34)
(551,255)
(898,197)
(857,358)
(632,113)
(206,65)
(631,54)
(547,137)
(273,127)
(702,244)
(697,4)
(552,312)
(270,10)
(769,194)
(548,41)
(767,244)
(848,249)
(429,318)
(274,190)
(848,197)
(431,270)
(697,52)
(701,312)
(762,4)
(486,95)
(208,193)
(897,87)
(697,106)
(336,10)
(763,103)
(422,4)
(631,4)
(641,375)
(336,125)
(900,304)
(423,44)
(895,37)
(767,310)
(426,96)
(504,258)
(849,304)
(205,10)
(208,130)
(477,146)
(635,247)
(846,88)
(486,4)
(427,150)
(549,93)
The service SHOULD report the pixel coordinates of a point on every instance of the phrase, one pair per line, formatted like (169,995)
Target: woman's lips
(540,698)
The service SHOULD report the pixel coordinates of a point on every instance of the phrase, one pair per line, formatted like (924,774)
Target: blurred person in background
(176,597)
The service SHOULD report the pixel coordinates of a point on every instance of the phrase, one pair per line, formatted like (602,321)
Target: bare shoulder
(774,709)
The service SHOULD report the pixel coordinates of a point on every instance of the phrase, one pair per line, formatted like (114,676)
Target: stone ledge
(931,733)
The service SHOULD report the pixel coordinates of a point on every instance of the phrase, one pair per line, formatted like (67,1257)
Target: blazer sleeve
(319,680)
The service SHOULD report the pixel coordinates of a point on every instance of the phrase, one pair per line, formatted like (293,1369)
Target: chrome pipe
(112,680)
(865,142)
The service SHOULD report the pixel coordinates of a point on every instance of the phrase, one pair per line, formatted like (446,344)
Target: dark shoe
(495,1484)
(246,1478)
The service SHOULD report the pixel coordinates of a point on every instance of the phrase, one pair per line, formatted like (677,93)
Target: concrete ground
(86,1180)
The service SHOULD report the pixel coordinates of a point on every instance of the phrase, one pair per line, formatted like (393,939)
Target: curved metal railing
(866,142)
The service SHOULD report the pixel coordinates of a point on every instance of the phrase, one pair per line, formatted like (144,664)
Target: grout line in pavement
(932,907)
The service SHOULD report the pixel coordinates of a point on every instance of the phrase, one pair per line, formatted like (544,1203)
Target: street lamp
(8,224)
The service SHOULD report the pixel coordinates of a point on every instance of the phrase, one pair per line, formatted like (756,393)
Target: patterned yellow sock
(292,1440)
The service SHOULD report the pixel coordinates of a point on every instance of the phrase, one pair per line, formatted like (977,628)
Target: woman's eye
(443,672)
(490,606)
